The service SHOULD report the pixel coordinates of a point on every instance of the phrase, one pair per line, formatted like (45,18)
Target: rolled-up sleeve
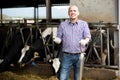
(60,31)
(86,31)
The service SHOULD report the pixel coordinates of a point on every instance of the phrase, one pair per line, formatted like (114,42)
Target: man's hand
(83,42)
(57,40)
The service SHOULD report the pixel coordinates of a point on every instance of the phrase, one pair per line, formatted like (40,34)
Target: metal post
(48,10)
(1,15)
(108,47)
(101,37)
(119,31)
(36,16)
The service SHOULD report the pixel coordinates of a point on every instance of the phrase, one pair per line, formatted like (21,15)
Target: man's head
(73,12)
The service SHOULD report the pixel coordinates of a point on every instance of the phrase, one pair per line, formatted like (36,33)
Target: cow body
(20,39)
(101,48)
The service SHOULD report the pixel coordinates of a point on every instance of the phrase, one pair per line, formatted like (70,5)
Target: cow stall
(38,38)
(32,35)
(102,44)
(101,35)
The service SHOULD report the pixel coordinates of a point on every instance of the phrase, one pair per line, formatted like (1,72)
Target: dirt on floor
(38,72)
(8,75)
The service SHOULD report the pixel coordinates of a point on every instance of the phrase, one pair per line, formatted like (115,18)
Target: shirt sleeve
(86,33)
(60,31)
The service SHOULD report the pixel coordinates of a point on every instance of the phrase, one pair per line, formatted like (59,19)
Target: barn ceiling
(30,3)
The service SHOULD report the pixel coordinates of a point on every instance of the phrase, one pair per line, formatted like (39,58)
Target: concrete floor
(92,73)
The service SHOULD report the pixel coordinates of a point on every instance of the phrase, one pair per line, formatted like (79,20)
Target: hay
(13,76)
(8,75)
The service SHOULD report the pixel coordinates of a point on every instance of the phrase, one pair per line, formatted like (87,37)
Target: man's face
(73,12)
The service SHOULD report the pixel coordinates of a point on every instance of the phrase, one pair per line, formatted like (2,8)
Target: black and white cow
(21,37)
(47,36)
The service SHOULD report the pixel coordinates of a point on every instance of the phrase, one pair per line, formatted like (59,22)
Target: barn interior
(14,30)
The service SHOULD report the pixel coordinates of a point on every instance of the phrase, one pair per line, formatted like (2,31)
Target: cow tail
(111,44)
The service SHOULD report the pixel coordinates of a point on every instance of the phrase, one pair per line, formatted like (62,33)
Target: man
(74,35)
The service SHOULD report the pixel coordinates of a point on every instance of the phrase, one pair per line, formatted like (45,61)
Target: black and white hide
(20,38)
(51,49)
(55,60)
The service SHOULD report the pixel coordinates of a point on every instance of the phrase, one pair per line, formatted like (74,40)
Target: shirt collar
(73,23)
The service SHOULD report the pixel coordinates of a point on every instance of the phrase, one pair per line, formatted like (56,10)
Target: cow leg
(104,59)
(104,56)
(116,56)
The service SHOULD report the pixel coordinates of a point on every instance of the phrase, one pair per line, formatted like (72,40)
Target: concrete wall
(97,10)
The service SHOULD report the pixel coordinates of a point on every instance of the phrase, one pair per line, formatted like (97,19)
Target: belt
(71,53)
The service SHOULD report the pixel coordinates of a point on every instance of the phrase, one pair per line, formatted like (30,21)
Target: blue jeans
(69,60)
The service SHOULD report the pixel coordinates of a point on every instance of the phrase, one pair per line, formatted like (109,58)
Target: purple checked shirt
(71,34)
